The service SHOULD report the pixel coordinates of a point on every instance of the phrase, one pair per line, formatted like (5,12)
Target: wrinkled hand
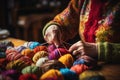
(84,48)
(53,35)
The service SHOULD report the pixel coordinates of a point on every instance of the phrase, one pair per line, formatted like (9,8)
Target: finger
(75,46)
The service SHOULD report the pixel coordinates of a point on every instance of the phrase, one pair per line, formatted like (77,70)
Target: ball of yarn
(91,75)
(68,74)
(67,60)
(13,56)
(16,65)
(28,77)
(57,53)
(89,61)
(52,75)
(5,44)
(38,55)
(51,48)
(41,61)
(52,64)
(2,55)
(40,48)
(10,50)
(31,44)
(79,68)
(32,70)
(28,52)
(20,48)
(13,74)
(2,77)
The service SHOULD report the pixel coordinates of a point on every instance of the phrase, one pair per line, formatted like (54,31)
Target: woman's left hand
(84,48)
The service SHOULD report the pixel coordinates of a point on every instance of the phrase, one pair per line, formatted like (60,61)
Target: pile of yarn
(36,61)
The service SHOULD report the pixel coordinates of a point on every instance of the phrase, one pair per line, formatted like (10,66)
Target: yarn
(89,61)
(52,75)
(67,60)
(5,44)
(38,55)
(28,52)
(57,53)
(41,61)
(79,68)
(79,61)
(16,65)
(2,77)
(10,50)
(13,74)
(28,77)
(40,48)
(52,64)
(68,74)
(91,75)
(32,70)
(51,48)
(31,44)
(20,48)
(2,55)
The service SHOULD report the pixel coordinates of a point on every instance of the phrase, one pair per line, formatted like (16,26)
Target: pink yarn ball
(57,53)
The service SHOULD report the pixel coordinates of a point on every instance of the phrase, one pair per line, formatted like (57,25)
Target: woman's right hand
(53,35)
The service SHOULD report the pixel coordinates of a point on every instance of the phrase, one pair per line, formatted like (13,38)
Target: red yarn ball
(40,48)
(57,53)
(28,77)
(79,68)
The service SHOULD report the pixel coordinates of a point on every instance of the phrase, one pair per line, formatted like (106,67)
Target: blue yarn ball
(34,44)
(2,55)
(79,61)
(69,74)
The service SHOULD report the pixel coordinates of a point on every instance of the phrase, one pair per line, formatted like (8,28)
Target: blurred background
(25,19)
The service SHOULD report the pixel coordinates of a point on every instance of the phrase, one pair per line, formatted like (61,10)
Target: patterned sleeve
(109,52)
(67,20)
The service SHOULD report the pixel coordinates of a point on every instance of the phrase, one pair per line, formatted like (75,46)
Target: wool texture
(20,48)
(16,65)
(13,74)
(28,52)
(79,68)
(68,74)
(51,64)
(91,75)
(28,77)
(32,70)
(57,53)
(31,44)
(38,55)
(67,60)
(42,60)
(40,48)
(52,75)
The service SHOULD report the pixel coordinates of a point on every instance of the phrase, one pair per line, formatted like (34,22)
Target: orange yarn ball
(28,52)
(67,60)
(79,68)
(52,75)
(38,55)
(40,48)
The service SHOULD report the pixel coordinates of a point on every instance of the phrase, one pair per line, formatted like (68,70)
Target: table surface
(110,71)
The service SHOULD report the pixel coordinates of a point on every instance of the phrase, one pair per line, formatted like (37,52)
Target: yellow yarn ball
(52,74)
(28,52)
(67,60)
(38,55)
(89,74)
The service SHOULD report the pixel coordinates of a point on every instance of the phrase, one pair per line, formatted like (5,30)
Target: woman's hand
(53,35)
(84,48)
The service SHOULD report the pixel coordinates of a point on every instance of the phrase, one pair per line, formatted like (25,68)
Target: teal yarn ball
(69,74)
